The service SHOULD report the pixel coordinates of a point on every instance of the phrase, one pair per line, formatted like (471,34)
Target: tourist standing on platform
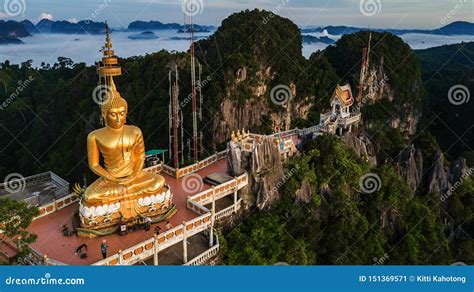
(103,248)
(157,230)
(147,224)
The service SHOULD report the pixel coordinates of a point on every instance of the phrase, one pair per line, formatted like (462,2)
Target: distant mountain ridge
(158,25)
(309,39)
(454,28)
(13,28)
(81,27)
(25,28)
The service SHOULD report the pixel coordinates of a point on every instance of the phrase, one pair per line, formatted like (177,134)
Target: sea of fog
(85,48)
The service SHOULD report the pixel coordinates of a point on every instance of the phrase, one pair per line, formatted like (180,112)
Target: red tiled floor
(60,248)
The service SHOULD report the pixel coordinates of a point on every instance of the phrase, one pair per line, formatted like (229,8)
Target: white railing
(145,249)
(196,207)
(56,205)
(284,134)
(200,164)
(155,168)
(35,258)
(229,210)
(180,172)
(205,256)
(169,170)
(355,117)
(309,130)
(205,197)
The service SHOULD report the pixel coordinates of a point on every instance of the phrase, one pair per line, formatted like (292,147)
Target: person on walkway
(79,249)
(157,230)
(147,224)
(103,248)
(168,225)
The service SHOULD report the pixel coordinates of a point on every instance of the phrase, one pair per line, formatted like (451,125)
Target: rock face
(265,170)
(304,193)
(407,119)
(410,166)
(377,87)
(235,159)
(389,217)
(362,146)
(438,179)
(458,170)
(235,113)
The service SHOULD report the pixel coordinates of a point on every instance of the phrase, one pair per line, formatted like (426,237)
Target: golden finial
(109,68)
(233,137)
(108,43)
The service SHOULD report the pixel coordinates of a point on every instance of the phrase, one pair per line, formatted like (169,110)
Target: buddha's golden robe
(122,176)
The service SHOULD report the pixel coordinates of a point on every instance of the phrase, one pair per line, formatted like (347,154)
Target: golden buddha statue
(124,190)
(123,151)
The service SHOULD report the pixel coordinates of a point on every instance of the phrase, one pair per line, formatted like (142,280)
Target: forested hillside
(444,68)
(48,111)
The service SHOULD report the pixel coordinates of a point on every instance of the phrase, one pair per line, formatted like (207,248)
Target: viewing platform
(192,225)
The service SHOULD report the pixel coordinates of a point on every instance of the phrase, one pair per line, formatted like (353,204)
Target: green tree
(15,217)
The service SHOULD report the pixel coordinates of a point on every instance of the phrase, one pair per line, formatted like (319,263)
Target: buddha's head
(114,112)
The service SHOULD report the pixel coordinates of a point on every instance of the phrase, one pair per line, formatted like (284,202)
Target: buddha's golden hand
(122,180)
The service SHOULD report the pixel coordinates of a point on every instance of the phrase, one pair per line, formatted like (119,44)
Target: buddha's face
(116,117)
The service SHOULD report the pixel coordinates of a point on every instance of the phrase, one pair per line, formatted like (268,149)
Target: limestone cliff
(264,167)
(362,147)
(403,115)
(267,172)
(393,90)
(410,166)
(256,110)
(438,179)
(458,170)
(304,193)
